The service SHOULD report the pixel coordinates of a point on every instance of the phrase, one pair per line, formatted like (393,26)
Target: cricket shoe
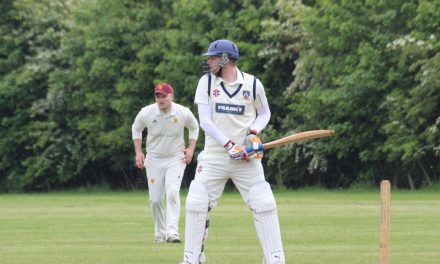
(174,238)
(159,239)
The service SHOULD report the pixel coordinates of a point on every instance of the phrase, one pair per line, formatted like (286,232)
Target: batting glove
(235,151)
(253,142)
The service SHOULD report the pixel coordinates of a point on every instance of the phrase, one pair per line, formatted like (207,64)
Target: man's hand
(235,151)
(188,155)
(252,140)
(140,159)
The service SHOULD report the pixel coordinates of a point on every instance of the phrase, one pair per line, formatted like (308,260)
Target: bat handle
(250,149)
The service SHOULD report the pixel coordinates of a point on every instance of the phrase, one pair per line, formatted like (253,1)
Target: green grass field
(318,226)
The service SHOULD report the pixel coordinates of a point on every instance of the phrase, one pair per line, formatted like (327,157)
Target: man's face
(164,101)
(213,62)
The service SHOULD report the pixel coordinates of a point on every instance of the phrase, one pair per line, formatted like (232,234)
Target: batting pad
(263,206)
(197,203)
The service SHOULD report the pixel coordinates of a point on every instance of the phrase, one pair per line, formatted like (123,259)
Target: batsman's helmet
(223,46)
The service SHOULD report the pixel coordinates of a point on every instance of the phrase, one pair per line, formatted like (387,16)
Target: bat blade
(306,135)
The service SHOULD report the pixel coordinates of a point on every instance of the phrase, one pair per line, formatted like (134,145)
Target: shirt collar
(240,79)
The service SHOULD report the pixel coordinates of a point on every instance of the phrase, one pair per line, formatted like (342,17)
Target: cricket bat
(306,135)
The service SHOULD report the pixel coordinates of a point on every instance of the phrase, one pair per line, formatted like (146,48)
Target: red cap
(163,88)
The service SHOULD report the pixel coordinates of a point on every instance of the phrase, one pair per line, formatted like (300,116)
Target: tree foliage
(31,33)
(73,75)
(350,78)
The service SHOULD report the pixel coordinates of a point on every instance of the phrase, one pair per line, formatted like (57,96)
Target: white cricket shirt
(233,106)
(165,132)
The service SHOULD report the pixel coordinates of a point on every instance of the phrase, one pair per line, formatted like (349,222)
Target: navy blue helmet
(223,46)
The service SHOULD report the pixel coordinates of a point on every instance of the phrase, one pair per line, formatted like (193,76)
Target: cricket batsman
(233,109)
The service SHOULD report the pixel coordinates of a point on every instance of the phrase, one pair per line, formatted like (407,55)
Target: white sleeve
(260,99)
(138,126)
(202,96)
(262,107)
(262,119)
(208,126)
(192,125)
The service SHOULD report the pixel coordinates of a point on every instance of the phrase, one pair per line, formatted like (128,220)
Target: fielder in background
(233,109)
(166,157)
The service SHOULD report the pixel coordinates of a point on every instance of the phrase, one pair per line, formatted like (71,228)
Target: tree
(413,106)
(31,33)
(343,77)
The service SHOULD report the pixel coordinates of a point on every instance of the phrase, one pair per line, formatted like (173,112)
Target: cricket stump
(385,187)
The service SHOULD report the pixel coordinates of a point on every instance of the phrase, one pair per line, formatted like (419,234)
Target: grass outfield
(318,226)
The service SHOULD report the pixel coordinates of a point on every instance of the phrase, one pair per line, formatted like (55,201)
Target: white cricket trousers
(214,170)
(164,179)
(212,173)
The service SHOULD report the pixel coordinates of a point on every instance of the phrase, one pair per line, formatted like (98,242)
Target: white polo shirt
(165,132)
(233,106)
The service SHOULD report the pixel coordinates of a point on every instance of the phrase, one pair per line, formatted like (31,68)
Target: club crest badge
(175,120)
(246,94)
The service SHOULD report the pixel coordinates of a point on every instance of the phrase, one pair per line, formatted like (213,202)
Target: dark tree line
(73,75)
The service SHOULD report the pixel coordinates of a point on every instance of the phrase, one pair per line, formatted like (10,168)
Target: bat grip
(250,149)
